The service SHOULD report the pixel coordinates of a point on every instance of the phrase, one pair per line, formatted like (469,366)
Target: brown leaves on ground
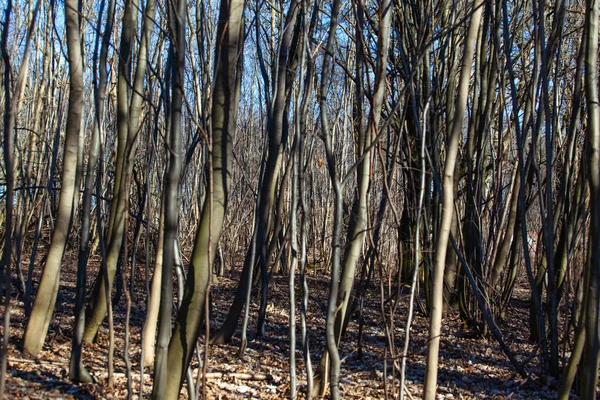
(471,367)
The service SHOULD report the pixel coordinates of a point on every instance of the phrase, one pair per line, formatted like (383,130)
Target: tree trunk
(277,131)
(591,348)
(154,301)
(224,115)
(117,213)
(358,225)
(129,98)
(454,138)
(43,306)
(162,371)
(5,262)
(77,372)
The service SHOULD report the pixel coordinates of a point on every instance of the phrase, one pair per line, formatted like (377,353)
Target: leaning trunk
(43,306)
(448,205)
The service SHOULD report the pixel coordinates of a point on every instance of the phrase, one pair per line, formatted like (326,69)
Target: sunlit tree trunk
(177,18)
(130,88)
(358,218)
(43,306)
(77,371)
(330,365)
(454,138)
(5,261)
(224,114)
(154,301)
(98,306)
(277,134)
(11,111)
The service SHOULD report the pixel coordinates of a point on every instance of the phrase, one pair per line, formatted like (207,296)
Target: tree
(367,131)
(591,348)
(77,371)
(333,372)
(365,145)
(130,88)
(43,306)
(454,136)
(162,382)
(224,114)
(5,262)
(277,130)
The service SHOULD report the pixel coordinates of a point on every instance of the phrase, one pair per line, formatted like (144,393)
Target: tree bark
(224,115)
(43,306)
(454,138)
(77,372)
(591,348)
(162,371)
(277,133)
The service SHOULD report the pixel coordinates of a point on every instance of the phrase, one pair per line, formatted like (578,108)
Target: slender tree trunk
(117,213)
(330,362)
(501,256)
(570,370)
(294,255)
(77,371)
(301,125)
(5,262)
(277,134)
(153,295)
(154,301)
(43,306)
(357,231)
(418,256)
(454,138)
(129,97)
(358,227)
(10,121)
(224,115)
(591,348)
(571,185)
(162,372)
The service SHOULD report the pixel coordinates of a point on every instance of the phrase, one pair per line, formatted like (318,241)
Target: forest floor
(471,366)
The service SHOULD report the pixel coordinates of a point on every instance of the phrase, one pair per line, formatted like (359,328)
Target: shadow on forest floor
(471,366)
